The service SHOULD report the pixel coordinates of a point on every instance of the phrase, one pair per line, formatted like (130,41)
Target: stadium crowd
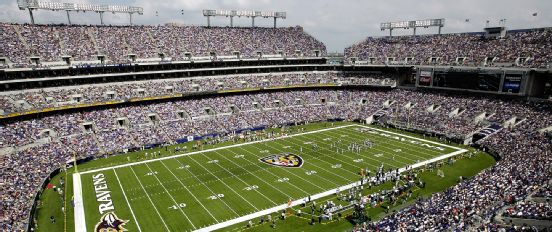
(33,99)
(474,48)
(40,145)
(116,43)
(530,210)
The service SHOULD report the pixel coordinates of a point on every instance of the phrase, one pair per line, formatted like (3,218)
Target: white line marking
(246,184)
(126,199)
(224,183)
(172,198)
(213,149)
(80,221)
(207,187)
(188,190)
(154,207)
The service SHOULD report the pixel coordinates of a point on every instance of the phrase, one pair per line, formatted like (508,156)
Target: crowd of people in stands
(40,145)
(524,167)
(117,43)
(544,192)
(460,116)
(474,202)
(150,43)
(530,210)
(33,99)
(533,46)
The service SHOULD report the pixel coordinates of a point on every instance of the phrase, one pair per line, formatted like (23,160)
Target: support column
(231,21)
(414,31)
(252,21)
(130,18)
(68,18)
(274,22)
(31,14)
(101,18)
(208,21)
(502,77)
(390,32)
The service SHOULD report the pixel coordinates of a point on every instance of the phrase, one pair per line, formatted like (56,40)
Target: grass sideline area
(247,184)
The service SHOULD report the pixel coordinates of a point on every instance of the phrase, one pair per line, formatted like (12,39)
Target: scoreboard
(508,81)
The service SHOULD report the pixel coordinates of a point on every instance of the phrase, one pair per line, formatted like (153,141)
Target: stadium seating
(124,44)
(40,145)
(33,99)
(473,49)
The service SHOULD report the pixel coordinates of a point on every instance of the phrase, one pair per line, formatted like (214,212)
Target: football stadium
(156,118)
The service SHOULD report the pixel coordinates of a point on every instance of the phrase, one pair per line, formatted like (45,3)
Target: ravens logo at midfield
(110,223)
(283,160)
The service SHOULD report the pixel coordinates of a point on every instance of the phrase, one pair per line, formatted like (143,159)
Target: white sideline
(314,197)
(213,149)
(80,221)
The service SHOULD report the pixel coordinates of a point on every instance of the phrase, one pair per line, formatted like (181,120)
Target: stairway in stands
(379,116)
(486,132)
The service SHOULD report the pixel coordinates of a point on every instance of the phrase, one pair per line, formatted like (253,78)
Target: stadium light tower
(245,13)
(32,5)
(413,24)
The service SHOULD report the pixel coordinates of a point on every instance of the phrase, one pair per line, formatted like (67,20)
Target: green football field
(219,187)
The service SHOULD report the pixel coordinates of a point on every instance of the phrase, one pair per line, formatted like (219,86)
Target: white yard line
(149,198)
(207,187)
(213,149)
(314,197)
(224,183)
(189,191)
(80,221)
(126,199)
(172,198)
(246,184)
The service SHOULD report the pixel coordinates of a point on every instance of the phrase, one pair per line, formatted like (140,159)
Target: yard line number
(178,206)
(216,196)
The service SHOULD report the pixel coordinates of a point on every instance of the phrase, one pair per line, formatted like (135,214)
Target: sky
(337,23)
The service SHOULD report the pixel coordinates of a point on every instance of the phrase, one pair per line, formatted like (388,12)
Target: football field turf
(215,188)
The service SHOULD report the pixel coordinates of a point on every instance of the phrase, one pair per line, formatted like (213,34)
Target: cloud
(336,23)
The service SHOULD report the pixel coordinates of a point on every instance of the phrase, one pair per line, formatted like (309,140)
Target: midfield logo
(287,160)
(110,223)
